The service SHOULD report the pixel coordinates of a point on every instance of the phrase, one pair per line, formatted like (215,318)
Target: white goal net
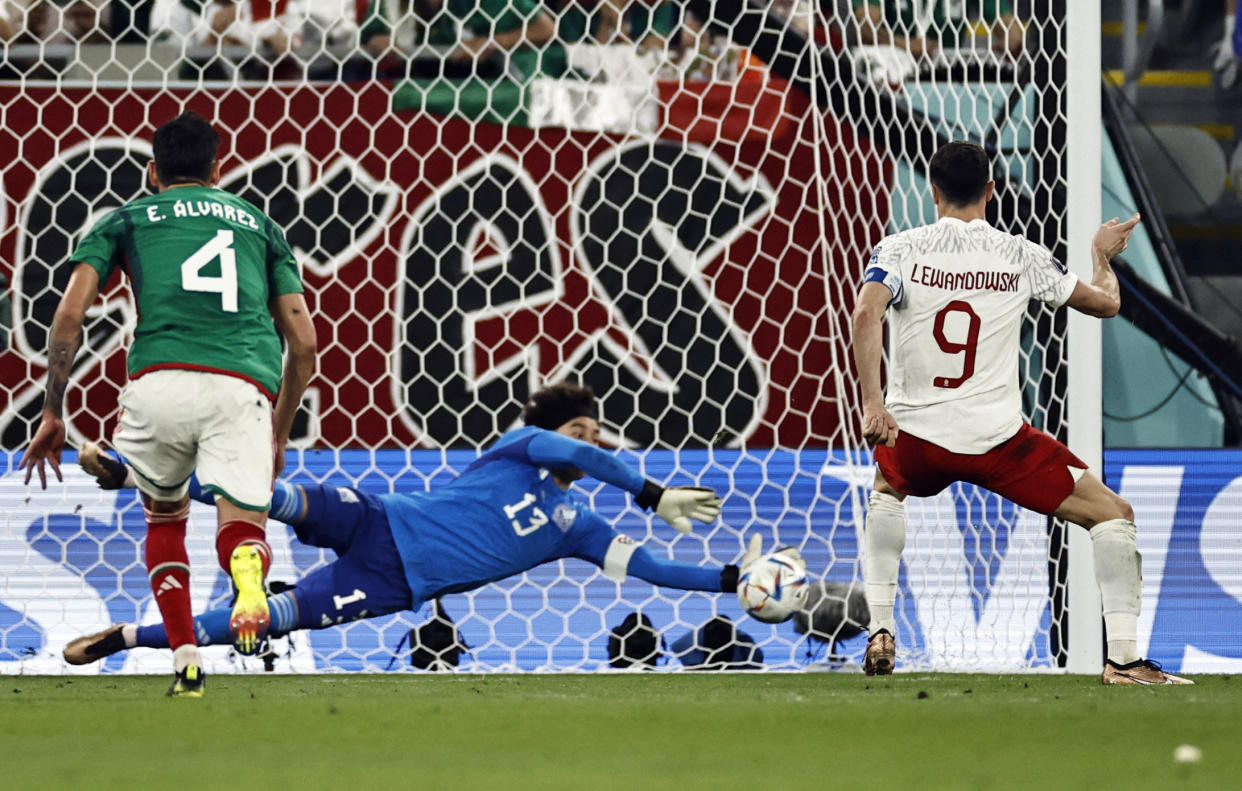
(679,219)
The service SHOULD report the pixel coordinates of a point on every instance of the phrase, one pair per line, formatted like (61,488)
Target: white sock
(1119,573)
(186,655)
(883,540)
(129,633)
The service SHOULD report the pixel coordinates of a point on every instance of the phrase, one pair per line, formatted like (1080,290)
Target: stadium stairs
(1184,124)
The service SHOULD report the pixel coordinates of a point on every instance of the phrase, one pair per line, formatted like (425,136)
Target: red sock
(168,566)
(233,534)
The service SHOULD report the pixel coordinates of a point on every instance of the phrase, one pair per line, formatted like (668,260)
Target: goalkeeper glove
(677,505)
(730,575)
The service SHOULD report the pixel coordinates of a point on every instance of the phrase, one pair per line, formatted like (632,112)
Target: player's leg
(1036,471)
(884,538)
(211,627)
(152,434)
(366,582)
(288,500)
(243,551)
(321,516)
(911,467)
(1109,521)
(235,463)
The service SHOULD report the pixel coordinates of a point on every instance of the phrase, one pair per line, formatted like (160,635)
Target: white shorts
(174,423)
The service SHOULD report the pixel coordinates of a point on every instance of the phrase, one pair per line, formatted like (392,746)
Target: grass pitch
(634,732)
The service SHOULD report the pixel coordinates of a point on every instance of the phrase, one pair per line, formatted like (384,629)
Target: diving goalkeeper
(511,510)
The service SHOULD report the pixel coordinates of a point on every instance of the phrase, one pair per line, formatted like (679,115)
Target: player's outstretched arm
(676,505)
(644,565)
(1102,296)
(63,343)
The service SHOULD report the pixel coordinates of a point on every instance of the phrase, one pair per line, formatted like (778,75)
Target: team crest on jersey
(564,516)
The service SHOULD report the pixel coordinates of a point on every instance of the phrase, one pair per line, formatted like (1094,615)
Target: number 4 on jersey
(221,246)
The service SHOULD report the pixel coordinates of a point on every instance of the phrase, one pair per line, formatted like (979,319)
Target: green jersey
(941,20)
(203,265)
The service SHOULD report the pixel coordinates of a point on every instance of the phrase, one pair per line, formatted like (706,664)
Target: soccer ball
(774,587)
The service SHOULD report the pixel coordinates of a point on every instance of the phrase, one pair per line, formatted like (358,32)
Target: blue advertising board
(974,591)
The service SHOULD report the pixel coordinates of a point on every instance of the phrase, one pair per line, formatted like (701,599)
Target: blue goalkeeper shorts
(368,579)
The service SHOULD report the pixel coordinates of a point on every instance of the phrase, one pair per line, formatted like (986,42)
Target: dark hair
(556,405)
(961,172)
(185,149)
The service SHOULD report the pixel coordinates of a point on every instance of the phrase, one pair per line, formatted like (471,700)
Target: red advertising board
(694,278)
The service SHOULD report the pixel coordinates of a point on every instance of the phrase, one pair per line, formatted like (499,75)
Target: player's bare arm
(868,347)
(1102,296)
(292,318)
(63,344)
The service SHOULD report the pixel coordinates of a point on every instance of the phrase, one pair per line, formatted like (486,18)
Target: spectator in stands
(647,23)
(80,22)
(1229,50)
(475,29)
(642,26)
(923,27)
(247,23)
(10,22)
(799,13)
(44,21)
(129,21)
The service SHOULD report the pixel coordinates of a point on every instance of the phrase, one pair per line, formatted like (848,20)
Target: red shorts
(1030,468)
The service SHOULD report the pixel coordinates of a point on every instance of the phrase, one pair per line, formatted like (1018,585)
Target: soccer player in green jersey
(216,286)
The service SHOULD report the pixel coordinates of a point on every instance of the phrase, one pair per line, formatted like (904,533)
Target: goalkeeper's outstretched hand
(679,504)
(754,552)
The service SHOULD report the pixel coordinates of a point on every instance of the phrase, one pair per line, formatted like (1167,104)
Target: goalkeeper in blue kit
(511,510)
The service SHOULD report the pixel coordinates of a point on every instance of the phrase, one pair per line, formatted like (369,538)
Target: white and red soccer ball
(774,587)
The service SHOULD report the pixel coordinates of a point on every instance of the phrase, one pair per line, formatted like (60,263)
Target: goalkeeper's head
(185,150)
(568,409)
(555,405)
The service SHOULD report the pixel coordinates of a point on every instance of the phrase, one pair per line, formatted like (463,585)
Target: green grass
(637,732)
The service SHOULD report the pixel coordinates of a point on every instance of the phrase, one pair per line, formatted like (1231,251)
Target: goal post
(684,232)
(1085,396)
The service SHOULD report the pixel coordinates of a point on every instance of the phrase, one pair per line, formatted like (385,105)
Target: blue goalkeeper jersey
(505,514)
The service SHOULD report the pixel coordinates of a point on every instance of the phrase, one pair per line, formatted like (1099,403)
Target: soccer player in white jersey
(955,293)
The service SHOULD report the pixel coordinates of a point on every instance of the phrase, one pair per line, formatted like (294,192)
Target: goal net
(678,219)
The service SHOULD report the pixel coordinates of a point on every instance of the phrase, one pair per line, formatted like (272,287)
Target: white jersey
(960,291)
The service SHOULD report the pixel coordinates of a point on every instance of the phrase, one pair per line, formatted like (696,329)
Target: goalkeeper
(511,510)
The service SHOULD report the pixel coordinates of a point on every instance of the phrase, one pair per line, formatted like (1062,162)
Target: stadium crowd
(457,39)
